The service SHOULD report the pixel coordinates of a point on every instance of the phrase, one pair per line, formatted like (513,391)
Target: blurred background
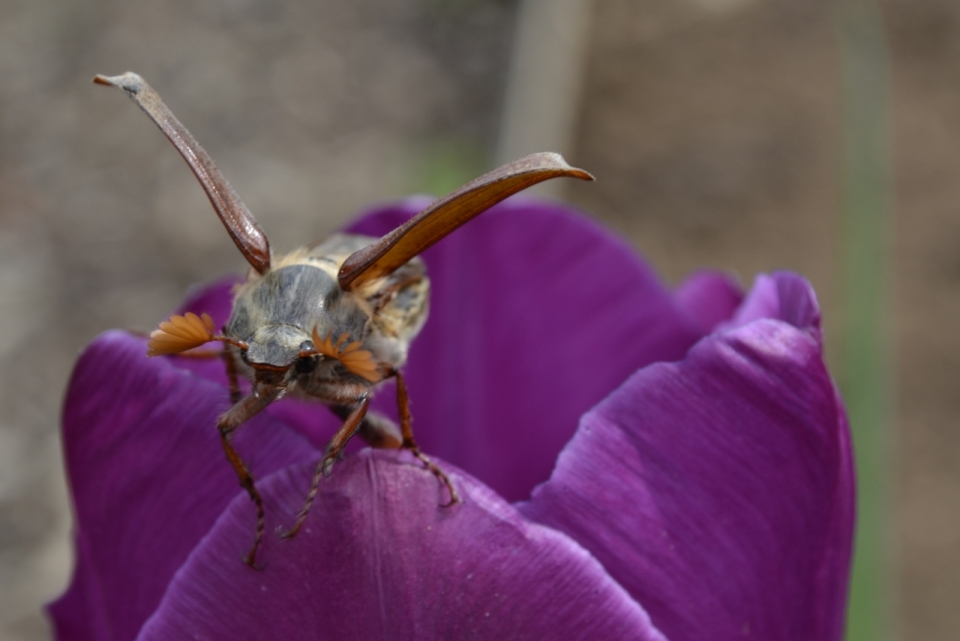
(746,135)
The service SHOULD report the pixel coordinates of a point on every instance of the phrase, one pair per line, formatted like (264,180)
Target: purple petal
(214,298)
(536,315)
(378,558)
(784,296)
(719,490)
(149,479)
(709,298)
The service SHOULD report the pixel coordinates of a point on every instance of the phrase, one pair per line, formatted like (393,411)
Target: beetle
(329,321)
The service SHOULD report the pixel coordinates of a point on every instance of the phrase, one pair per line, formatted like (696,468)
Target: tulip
(634,463)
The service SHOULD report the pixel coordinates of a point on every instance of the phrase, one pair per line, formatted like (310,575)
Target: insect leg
(334,450)
(403,407)
(226,424)
(230,365)
(375,429)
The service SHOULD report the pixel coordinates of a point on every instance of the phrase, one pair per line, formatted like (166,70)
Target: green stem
(867,383)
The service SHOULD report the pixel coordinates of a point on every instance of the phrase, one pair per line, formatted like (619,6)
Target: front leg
(230,365)
(380,432)
(375,429)
(334,451)
(241,412)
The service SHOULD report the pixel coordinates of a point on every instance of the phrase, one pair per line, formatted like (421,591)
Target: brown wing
(449,213)
(238,220)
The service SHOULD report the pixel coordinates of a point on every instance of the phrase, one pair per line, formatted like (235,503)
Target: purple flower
(706,494)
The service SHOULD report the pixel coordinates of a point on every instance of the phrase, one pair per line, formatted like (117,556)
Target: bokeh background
(746,135)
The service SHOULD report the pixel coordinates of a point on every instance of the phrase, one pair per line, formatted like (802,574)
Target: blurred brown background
(715,128)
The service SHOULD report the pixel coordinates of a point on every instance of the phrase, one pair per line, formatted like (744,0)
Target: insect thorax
(277,312)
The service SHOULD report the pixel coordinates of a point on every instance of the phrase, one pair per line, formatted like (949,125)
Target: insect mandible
(329,321)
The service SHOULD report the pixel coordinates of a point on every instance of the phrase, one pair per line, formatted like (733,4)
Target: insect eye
(306,364)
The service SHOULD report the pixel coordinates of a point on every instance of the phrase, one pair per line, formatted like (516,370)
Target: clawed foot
(322,471)
(250,560)
(441,476)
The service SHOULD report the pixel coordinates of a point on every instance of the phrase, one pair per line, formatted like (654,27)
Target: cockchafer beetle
(329,321)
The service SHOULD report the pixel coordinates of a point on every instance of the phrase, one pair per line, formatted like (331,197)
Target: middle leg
(406,431)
